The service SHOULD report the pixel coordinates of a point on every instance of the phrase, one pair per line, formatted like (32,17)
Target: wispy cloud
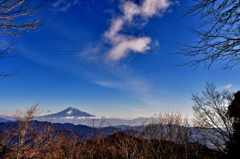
(129,84)
(226,87)
(93,54)
(63,5)
(122,44)
(109,84)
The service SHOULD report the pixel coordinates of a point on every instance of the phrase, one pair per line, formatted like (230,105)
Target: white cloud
(63,5)
(153,7)
(116,25)
(130,9)
(122,44)
(82,118)
(96,117)
(122,49)
(68,117)
(227,86)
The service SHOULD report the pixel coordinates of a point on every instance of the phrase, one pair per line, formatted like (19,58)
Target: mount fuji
(75,116)
(70,112)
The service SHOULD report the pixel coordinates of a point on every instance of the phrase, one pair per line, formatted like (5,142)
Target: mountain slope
(4,120)
(69,112)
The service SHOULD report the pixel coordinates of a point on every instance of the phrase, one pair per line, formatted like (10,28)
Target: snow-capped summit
(70,112)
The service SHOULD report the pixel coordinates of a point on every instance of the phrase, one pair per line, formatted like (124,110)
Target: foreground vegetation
(169,136)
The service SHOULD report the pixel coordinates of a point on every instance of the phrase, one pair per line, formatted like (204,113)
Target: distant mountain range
(75,116)
(4,120)
(82,130)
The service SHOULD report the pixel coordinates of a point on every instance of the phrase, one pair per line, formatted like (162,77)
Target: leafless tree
(17,17)
(23,122)
(218,38)
(166,133)
(210,111)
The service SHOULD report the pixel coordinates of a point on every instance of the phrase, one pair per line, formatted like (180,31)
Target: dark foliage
(233,146)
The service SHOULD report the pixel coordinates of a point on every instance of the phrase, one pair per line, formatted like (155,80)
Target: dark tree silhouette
(233,146)
(218,36)
(16,17)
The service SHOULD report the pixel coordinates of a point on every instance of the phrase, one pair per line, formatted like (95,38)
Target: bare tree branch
(220,42)
(16,18)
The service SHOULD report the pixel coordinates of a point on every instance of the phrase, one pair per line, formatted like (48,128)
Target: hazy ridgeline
(169,136)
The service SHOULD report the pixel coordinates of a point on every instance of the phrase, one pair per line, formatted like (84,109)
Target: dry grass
(166,137)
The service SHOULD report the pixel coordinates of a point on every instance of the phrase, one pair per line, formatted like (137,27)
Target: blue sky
(108,58)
